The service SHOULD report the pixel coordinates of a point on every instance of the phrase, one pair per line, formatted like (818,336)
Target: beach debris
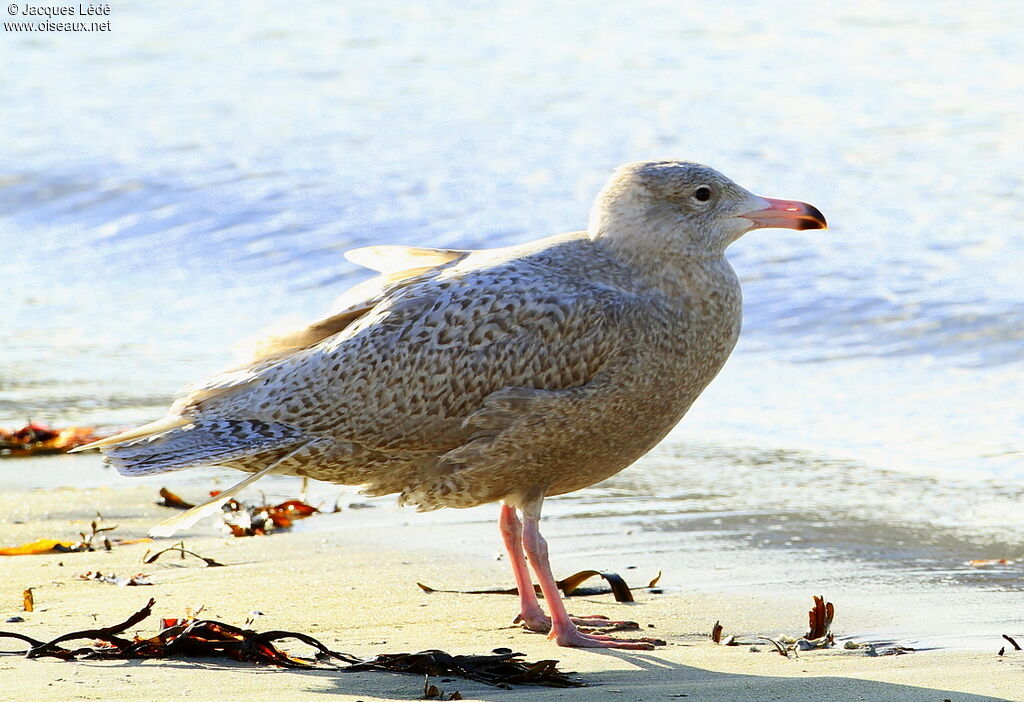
(783,651)
(206,638)
(28,600)
(803,644)
(879,648)
(107,635)
(569,586)
(988,562)
(114,579)
(888,649)
(819,635)
(1016,646)
(180,549)
(40,546)
(259,520)
(93,541)
(169,499)
(433,692)
(819,618)
(284,513)
(36,439)
(244,519)
(716,636)
(502,668)
(737,640)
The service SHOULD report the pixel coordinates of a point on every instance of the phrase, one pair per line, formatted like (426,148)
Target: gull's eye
(702,194)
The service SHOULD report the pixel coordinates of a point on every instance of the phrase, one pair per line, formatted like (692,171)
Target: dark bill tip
(812,219)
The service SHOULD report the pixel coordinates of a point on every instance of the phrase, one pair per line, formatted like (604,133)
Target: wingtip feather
(189,517)
(157,427)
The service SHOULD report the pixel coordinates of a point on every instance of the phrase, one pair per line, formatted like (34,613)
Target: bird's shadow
(654,680)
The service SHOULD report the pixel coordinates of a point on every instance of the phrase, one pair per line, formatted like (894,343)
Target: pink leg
(563,630)
(530,613)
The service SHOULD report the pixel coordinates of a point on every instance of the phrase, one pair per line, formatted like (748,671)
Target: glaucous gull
(458,378)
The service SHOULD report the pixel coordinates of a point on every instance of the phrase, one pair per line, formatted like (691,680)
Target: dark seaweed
(207,638)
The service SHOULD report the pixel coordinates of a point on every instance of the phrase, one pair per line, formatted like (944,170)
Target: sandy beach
(351,582)
(187,179)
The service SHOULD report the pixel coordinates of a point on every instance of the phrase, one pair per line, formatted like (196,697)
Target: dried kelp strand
(569,586)
(211,639)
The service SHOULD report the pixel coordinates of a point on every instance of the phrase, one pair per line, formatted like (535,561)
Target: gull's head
(686,209)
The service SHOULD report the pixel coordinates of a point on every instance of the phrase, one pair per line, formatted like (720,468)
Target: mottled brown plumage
(459,378)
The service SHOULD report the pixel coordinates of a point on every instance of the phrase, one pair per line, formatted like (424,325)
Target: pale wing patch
(277,346)
(395,263)
(364,295)
(393,259)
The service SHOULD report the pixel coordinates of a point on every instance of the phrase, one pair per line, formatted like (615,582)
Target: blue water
(193,176)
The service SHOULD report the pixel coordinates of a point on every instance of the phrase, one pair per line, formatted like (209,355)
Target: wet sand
(350,580)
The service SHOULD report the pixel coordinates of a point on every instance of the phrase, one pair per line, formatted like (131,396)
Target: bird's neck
(676,272)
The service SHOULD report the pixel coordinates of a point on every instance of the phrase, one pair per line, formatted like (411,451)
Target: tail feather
(199,443)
